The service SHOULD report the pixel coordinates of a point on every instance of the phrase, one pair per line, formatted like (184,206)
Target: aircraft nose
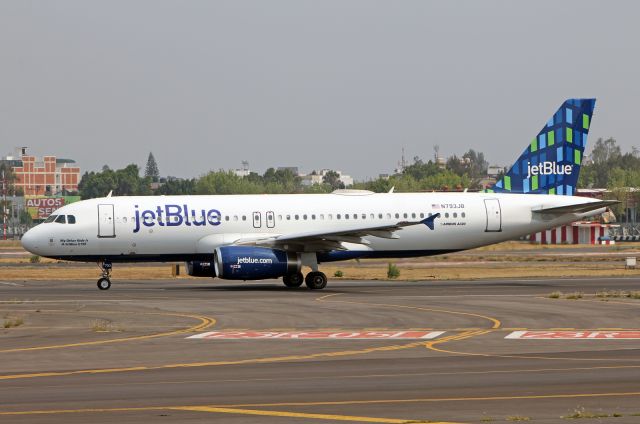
(30,241)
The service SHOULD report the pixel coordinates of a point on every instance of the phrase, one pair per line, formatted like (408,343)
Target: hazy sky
(315,84)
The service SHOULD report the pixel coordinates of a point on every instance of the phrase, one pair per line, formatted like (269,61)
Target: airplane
(255,237)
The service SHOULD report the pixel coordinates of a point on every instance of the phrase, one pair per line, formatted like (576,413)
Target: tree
(605,151)
(332,178)
(123,182)
(151,171)
(10,178)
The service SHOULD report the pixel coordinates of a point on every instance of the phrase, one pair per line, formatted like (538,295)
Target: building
(48,176)
(318,178)
(584,232)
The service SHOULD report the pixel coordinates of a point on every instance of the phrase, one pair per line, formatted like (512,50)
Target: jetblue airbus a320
(254,237)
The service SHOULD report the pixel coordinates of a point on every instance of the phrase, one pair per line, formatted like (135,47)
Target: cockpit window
(61,219)
(50,219)
(71,219)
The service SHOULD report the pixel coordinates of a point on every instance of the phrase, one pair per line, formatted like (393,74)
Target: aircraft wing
(577,208)
(329,240)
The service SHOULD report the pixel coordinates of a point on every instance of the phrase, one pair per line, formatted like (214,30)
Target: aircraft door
(106,221)
(257,220)
(271,219)
(494,215)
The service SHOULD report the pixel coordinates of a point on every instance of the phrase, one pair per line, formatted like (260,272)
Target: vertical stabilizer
(551,162)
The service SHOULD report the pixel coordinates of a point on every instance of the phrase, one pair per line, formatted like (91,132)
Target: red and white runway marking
(320,335)
(575,335)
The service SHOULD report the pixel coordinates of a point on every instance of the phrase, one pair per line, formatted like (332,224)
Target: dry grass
(12,322)
(350,270)
(10,244)
(105,326)
(579,413)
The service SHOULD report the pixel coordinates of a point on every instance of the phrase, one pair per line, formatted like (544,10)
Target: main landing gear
(293,280)
(104,282)
(314,280)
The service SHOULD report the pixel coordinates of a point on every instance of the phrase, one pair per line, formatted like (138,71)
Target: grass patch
(392,271)
(604,294)
(518,418)
(34,259)
(574,296)
(580,413)
(104,326)
(555,295)
(338,274)
(12,322)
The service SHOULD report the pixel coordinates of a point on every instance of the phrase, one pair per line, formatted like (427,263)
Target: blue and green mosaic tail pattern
(551,163)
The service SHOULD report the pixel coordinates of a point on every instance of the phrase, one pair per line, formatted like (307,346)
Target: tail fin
(551,163)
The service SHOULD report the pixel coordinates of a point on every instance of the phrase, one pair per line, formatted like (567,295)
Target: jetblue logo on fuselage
(175,216)
(548,168)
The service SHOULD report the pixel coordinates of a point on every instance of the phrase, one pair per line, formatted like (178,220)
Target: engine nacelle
(254,263)
(201,269)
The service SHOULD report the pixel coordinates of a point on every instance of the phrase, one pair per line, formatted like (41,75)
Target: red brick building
(47,177)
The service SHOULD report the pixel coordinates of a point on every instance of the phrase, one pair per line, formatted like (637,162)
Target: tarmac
(358,351)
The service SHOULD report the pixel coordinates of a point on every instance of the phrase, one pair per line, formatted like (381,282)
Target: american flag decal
(435,206)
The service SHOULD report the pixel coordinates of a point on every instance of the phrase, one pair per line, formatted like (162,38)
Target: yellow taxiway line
(225,410)
(205,322)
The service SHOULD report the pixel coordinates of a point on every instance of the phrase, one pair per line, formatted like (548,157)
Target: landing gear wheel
(316,280)
(104,284)
(293,280)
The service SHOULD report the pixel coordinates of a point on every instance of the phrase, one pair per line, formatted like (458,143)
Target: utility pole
(4,207)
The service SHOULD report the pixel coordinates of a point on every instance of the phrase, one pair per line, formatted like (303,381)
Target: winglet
(429,221)
(110,193)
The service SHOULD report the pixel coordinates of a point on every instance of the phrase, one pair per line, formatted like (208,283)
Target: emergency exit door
(106,221)
(494,215)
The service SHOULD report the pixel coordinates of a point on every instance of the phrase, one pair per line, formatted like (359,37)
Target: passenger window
(297,217)
(463,214)
(279,217)
(388,216)
(50,219)
(397,215)
(446,215)
(61,219)
(321,216)
(379,216)
(330,216)
(304,216)
(364,216)
(244,217)
(455,214)
(226,218)
(413,215)
(313,217)
(235,217)
(355,216)
(422,215)
(288,217)
(346,216)
(338,216)
(405,215)
(430,214)
(372,216)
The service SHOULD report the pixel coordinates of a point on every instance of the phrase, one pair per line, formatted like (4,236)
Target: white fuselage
(156,228)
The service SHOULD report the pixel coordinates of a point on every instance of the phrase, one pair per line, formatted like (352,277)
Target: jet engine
(254,263)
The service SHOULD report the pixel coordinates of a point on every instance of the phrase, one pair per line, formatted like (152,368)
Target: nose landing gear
(104,282)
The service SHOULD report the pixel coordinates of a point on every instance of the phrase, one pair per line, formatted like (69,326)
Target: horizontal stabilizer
(577,208)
